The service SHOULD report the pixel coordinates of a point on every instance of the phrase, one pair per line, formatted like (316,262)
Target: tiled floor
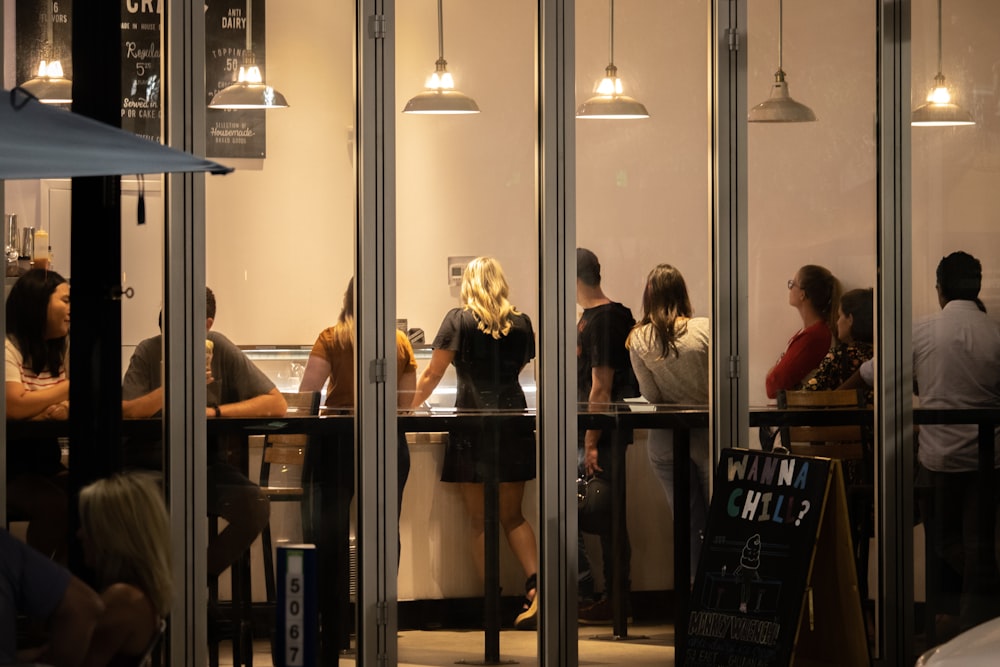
(439,648)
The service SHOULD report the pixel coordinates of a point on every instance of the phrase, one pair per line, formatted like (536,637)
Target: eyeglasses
(791,284)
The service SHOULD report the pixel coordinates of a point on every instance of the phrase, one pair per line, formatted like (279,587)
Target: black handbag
(593,496)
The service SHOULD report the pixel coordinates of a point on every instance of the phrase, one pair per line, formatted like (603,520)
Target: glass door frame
(375,248)
(894,409)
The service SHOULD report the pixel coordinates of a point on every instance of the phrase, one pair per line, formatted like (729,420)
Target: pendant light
(780,107)
(608,101)
(249,91)
(440,96)
(940,111)
(50,85)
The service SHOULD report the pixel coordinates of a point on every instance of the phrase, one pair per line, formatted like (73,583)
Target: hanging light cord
(780,27)
(50,44)
(249,32)
(939,38)
(440,32)
(611,39)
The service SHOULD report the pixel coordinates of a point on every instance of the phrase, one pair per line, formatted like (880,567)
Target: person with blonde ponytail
(489,342)
(125,534)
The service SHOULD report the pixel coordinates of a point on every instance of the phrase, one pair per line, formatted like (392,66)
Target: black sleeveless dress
(487,371)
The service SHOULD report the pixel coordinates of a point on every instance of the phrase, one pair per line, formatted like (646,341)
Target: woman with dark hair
(669,350)
(37,387)
(855,339)
(125,535)
(489,342)
(815,293)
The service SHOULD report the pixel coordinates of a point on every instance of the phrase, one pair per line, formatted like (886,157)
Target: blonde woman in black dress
(489,342)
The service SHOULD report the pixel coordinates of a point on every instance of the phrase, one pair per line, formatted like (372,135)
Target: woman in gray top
(669,350)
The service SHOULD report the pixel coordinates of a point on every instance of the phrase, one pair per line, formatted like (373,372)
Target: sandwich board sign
(776,583)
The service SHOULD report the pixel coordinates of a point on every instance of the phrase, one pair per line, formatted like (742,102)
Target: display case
(285,365)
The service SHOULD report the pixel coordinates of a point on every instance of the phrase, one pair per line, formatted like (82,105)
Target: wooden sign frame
(776,581)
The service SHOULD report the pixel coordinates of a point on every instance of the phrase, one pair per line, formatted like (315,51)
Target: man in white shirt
(956,364)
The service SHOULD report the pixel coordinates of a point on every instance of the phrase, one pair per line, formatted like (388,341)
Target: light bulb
(609,86)
(250,74)
(440,81)
(939,95)
(51,69)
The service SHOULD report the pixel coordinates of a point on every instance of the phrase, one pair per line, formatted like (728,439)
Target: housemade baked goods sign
(233,132)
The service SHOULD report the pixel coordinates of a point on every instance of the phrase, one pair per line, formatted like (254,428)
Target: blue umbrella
(40,141)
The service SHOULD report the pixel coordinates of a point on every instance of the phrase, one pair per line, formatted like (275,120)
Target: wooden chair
(851,443)
(280,450)
(284,450)
(839,442)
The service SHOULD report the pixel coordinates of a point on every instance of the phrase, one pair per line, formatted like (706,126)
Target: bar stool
(284,451)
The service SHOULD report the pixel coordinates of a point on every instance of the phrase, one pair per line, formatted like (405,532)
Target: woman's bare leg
(520,535)
(472,496)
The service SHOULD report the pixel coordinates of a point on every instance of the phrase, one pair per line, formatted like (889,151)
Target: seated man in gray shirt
(236,388)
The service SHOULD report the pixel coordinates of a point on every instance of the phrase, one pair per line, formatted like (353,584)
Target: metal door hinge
(382,612)
(734,39)
(377,26)
(376,371)
(734,367)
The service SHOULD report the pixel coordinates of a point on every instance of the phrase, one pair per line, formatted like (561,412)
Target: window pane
(643,208)
(812,255)
(465,188)
(954,169)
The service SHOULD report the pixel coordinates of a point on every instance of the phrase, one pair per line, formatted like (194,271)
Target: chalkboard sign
(141,78)
(776,521)
(239,132)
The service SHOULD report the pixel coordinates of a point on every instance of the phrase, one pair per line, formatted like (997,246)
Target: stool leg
(213,600)
(236,585)
(269,584)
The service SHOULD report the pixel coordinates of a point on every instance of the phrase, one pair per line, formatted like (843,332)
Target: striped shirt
(16,371)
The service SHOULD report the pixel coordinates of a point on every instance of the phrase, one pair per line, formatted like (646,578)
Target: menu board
(233,132)
(141,76)
(776,579)
(32,25)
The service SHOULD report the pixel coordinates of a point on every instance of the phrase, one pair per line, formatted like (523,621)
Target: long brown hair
(343,330)
(664,301)
(823,291)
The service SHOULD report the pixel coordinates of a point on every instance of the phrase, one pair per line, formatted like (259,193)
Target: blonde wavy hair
(484,292)
(126,520)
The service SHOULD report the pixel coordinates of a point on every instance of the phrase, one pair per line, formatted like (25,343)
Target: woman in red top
(815,293)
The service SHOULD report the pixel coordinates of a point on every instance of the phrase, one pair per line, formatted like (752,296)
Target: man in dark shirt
(604,378)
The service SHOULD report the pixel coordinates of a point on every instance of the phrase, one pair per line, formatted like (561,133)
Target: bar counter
(339,428)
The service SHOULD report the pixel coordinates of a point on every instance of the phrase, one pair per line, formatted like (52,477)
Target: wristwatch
(218,411)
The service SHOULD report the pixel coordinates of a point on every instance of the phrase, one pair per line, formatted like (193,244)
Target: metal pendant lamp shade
(249,90)
(940,111)
(50,85)
(439,95)
(780,107)
(609,102)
